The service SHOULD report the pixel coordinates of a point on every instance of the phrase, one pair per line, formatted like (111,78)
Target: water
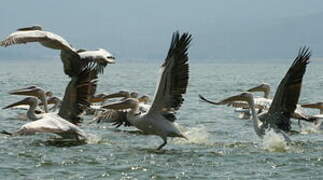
(220,144)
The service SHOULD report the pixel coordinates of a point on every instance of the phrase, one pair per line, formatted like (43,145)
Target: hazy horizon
(245,30)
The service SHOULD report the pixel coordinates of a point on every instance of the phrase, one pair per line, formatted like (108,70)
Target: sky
(233,30)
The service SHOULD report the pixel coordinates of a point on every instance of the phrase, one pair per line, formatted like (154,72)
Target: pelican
(22,116)
(121,94)
(32,91)
(97,59)
(46,123)
(101,98)
(119,117)
(168,95)
(76,99)
(284,102)
(261,104)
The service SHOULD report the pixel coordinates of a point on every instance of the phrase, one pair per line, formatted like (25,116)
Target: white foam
(274,142)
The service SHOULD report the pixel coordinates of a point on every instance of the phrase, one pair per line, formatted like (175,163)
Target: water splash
(311,128)
(274,142)
(195,135)
(93,139)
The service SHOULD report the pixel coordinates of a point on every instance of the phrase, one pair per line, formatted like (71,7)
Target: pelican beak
(29,91)
(117,95)
(103,97)
(126,104)
(313,106)
(111,60)
(22,102)
(225,101)
(256,89)
(240,97)
(96,99)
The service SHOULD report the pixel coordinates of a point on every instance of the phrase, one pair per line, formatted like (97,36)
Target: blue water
(220,144)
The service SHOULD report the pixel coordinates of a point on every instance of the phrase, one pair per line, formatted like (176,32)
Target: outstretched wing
(77,95)
(117,117)
(288,91)
(174,76)
(48,39)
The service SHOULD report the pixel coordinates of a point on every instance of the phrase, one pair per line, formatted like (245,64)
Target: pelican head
(29,91)
(318,105)
(107,56)
(49,94)
(264,87)
(36,27)
(134,94)
(144,99)
(27,101)
(32,91)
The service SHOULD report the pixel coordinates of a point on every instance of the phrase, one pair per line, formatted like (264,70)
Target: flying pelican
(284,102)
(168,95)
(76,99)
(97,59)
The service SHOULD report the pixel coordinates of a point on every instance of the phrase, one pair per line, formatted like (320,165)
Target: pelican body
(159,119)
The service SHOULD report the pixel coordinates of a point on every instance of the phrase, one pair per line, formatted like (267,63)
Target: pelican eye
(111,57)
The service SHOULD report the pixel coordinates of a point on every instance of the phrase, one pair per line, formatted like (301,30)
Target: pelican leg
(164,143)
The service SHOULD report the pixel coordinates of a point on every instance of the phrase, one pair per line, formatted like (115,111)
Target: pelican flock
(155,116)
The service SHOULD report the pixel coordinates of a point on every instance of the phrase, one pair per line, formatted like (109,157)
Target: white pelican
(22,116)
(74,61)
(284,102)
(168,96)
(76,99)
(46,123)
(97,59)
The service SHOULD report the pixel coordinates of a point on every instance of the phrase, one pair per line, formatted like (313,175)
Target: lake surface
(220,145)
